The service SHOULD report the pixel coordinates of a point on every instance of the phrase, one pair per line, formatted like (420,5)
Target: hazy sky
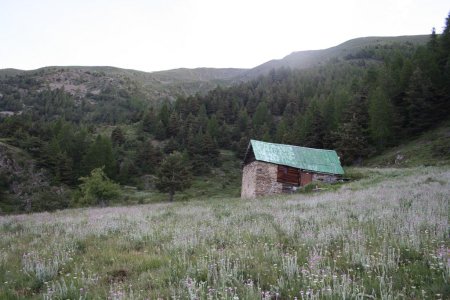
(165,34)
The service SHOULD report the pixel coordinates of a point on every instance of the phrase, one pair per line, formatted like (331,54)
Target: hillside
(432,148)
(383,237)
(83,82)
(353,49)
(113,95)
(79,81)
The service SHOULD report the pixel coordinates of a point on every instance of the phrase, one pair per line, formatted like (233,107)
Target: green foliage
(117,137)
(381,116)
(52,199)
(98,189)
(100,154)
(148,157)
(173,174)
(351,142)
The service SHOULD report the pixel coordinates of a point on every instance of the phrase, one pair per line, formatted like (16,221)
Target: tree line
(358,105)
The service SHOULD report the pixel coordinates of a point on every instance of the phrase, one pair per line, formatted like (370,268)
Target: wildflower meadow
(385,236)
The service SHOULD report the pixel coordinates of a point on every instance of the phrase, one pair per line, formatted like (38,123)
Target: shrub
(98,188)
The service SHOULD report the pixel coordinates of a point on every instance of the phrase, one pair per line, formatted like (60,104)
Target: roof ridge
(287,145)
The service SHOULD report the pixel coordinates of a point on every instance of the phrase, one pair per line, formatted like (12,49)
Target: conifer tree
(100,154)
(351,143)
(213,127)
(173,174)
(173,126)
(148,158)
(210,150)
(314,128)
(164,115)
(149,121)
(419,97)
(381,116)
(281,135)
(117,137)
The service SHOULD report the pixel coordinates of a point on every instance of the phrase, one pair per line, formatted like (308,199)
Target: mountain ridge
(310,58)
(169,84)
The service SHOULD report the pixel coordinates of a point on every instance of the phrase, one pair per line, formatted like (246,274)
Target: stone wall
(248,187)
(327,178)
(260,179)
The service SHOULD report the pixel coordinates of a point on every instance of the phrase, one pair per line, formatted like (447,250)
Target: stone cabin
(276,168)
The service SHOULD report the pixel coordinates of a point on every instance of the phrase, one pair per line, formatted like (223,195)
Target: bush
(98,189)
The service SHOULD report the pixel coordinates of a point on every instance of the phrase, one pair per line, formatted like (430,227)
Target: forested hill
(67,122)
(110,92)
(364,47)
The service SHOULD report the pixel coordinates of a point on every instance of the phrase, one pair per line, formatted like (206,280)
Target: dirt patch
(119,275)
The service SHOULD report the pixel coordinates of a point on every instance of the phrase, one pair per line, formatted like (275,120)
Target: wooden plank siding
(293,176)
(288,175)
(305,178)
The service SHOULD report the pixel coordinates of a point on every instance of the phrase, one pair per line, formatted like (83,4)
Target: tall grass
(384,236)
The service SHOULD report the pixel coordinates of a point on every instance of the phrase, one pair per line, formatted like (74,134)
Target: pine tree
(210,150)
(202,118)
(318,136)
(381,116)
(261,116)
(173,175)
(149,121)
(213,127)
(419,97)
(148,158)
(351,137)
(444,42)
(172,146)
(444,63)
(160,131)
(100,154)
(243,121)
(164,115)
(314,128)
(117,137)
(351,143)
(281,135)
(198,154)
(173,126)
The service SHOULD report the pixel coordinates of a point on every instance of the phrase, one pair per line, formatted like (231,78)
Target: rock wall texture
(327,178)
(260,179)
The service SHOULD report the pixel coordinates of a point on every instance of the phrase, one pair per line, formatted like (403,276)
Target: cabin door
(305,178)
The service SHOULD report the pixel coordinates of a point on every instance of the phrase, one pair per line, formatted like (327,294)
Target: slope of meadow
(384,236)
(431,148)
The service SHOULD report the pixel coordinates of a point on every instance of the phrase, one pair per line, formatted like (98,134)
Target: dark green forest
(359,105)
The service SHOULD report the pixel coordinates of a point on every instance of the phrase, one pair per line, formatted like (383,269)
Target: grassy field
(384,236)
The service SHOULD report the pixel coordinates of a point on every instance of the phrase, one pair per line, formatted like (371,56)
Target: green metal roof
(318,160)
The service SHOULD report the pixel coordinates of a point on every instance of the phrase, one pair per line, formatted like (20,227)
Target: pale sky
(157,35)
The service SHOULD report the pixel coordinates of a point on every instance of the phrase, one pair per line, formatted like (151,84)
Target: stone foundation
(327,178)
